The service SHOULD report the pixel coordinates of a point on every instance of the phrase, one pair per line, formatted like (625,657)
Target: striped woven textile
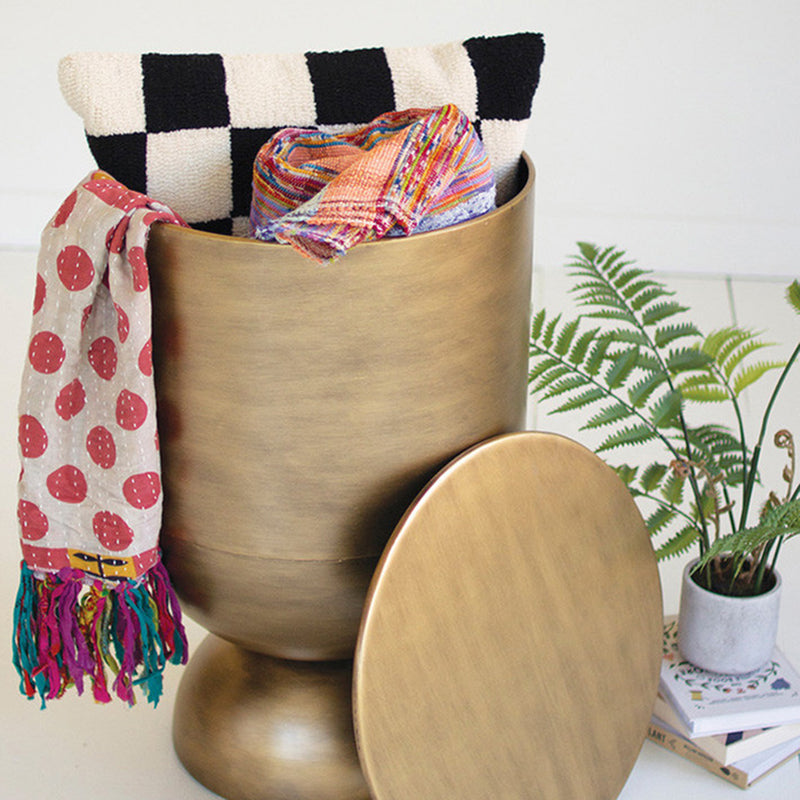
(406,171)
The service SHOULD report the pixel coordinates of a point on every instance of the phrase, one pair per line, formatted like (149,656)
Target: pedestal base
(252,727)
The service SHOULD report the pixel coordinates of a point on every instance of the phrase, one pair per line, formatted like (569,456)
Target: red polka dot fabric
(90,486)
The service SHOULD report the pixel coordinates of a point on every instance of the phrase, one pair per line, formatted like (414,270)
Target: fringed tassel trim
(67,631)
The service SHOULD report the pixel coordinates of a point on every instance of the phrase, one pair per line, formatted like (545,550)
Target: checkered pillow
(185,129)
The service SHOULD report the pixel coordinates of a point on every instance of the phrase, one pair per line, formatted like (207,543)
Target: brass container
(301,410)
(252,727)
(303,407)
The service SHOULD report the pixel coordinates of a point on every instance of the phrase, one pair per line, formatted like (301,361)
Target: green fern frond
(542,365)
(686,359)
(626,473)
(719,344)
(625,279)
(610,259)
(752,373)
(786,515)
(563,385)
(661,311)
(703,388)
(672,488)
(620,315)
(731,467)
(564,340)
(659,519)
(550,331)
(793,295)
(592,284)
(581,400)
(594,292)
(670,333)
(649,363)
(632,370)
(744,542)
(631,337)
(595,285)
(589,251)
(719,449)
(615,288)
(619,271)
(597,355)
(612,262)
(678,544)
(779,521)
(709,500)
(550,377)
(640,392)
(729,347)
(538,324)
(648,295)
(623,365)
(714,439)
(614,413)
(641,291)
(652,477)
(625,437)
(735,357)
(667,409)
(581,346)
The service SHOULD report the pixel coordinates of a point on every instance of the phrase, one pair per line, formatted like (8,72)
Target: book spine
(687,750)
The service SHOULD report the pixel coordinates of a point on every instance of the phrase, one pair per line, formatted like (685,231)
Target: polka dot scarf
(93,594)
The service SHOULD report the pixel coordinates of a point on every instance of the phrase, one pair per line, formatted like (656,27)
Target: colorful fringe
(404,172)
(68,630)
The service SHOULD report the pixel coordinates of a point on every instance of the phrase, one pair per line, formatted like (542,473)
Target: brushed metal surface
(252,727)
(301,408)
(511,639)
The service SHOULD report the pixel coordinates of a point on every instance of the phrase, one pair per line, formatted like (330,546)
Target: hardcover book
(742,773)
(726,747)
(709,703)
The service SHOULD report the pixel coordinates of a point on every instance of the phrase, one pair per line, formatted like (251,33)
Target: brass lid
(511,638)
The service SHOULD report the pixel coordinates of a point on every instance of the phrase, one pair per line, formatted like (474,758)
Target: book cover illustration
(710,703)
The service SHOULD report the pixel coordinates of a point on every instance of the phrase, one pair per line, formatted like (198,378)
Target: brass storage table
(302,409)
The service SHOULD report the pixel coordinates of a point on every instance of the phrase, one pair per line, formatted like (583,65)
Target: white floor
(76,749)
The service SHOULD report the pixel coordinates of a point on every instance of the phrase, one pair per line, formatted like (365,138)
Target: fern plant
(632,363)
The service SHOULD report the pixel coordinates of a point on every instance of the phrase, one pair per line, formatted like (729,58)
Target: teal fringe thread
(25,652)
(67,630)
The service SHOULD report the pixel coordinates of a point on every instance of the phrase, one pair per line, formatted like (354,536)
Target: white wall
(669,129)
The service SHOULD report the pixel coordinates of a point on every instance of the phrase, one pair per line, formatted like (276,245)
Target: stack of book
(739,727)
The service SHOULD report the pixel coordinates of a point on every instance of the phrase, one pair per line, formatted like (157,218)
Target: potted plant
(632,363)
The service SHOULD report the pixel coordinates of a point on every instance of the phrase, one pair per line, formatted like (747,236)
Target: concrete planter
(729,635)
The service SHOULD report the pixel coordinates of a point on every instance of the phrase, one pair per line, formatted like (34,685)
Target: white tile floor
(76,749)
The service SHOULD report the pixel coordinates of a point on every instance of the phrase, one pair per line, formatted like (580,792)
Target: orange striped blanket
(404,172)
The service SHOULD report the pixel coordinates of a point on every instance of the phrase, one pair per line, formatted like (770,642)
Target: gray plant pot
(729,635)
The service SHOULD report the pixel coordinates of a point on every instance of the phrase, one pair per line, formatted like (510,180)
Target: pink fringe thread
(67,631)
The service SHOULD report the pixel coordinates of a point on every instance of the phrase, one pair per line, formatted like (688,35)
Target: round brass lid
(511,638)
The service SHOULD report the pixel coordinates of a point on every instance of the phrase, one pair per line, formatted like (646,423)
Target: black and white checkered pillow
(185,129)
